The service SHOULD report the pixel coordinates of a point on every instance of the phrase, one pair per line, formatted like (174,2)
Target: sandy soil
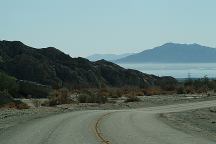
(146,101)
(11,117)
(201,122)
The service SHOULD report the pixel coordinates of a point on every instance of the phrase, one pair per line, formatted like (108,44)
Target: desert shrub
(83,98)
(180,90)
(5,97)
(1,59)
(36,103)
(132,99)
(7,101)
(8,83)
(202,85)
(112,94)
(211,84)
(61,96)
(103,92)
(115,93)
(203,89)
(91,98)
(19,105)
(139,93)
(129,91)
(189,90)
(46,103)
(152,91)
(119,93)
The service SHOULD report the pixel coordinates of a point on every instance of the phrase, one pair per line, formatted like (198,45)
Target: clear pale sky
(84,27)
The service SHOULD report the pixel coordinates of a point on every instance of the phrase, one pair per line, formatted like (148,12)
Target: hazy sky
(84,27)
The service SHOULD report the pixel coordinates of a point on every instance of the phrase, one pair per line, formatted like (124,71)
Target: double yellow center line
(98,131)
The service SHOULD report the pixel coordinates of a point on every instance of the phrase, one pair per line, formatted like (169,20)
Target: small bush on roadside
(189,90)
(115,93)
(112,94)
(119,93)
(103,92)
(89,97)
(181,90)
(6,101)
(130,91)
(8,83)
(132,99)
(19,105)
(5,97)
(61,96)
(139,93)
(83,98)
(202,85)
(152,91)
(37,103)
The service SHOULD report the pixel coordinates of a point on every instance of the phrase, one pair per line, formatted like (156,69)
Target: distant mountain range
(173,53)
(50,66)
(108,57)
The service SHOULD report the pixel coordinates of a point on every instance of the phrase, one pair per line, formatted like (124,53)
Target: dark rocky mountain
(174,53)
(49,66)
(108,57)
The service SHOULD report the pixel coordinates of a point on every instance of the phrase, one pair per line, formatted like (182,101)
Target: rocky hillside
(49,66)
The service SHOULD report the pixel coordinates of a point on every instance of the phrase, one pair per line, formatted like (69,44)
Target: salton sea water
(177,70)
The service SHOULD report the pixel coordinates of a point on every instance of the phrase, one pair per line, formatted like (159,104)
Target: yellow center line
(98,131)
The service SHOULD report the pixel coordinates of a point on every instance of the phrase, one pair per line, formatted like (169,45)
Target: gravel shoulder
(12,117)
(200,122)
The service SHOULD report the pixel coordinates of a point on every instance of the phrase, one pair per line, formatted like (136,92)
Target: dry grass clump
(57,97)
(132,99)
(15,105)
(90,97)
(104,92)
(36,102)
(152,91)
(202,85)
(129,91)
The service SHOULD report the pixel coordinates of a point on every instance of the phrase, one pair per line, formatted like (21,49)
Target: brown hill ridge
(50,66)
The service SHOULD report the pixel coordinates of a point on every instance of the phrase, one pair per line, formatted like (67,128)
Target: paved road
(138,126)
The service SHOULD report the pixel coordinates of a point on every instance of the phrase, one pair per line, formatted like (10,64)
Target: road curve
(138,126)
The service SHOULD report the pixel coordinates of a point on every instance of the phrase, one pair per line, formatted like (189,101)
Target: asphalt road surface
(136,126)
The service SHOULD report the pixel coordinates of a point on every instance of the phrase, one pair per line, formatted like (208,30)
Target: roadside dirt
(201,122)
(11,117)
